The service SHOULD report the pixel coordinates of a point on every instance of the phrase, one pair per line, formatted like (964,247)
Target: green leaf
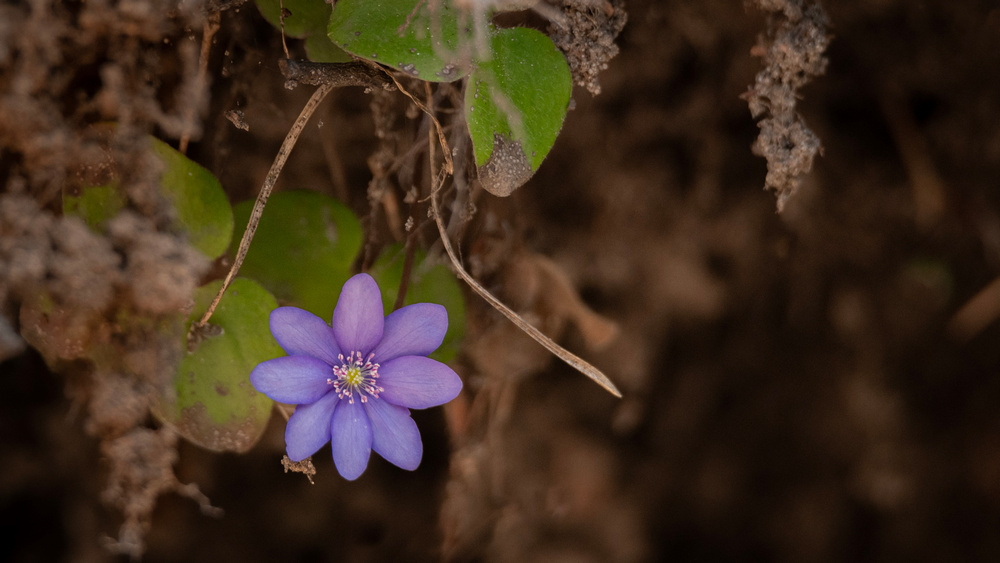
(429,283)
(428,39)
(303,248)
(203,211)
(305,19)
(214,404)
(515,105)
(95,205)
(321,50)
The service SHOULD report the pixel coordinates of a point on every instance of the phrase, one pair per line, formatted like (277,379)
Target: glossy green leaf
(202,208)
(215,406)
(429,39)
(95,205)
(303,249)
(429,283)
(515,105)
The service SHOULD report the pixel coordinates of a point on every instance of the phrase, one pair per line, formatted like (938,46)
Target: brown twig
(335,74)
(574,361)
(978,313)
(538,336)
(265,192)
(449,166)
(327,77)
(404,281)
(929,189)
(208,32)
(281,20)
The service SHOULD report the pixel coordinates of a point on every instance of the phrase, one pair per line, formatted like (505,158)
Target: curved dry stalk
(265,192)
(574,361)
(438,177)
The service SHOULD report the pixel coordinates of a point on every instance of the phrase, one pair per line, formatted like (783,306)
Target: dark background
(793,391)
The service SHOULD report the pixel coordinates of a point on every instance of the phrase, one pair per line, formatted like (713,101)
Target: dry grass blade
(563,354)
(265,192)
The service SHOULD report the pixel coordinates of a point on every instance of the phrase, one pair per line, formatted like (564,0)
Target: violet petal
(417,382)
(292,379)
(301,333)
(394,434)
(351,439)
(414,330)
(357,318)
(308,428)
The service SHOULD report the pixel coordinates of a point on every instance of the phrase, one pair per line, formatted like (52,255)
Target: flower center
(356,375)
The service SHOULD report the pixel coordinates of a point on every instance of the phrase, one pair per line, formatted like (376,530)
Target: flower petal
(301,333)
(308,428)
(294,380)
(417,382)
(414,330)
(351,438)
(357,318)
(394,434)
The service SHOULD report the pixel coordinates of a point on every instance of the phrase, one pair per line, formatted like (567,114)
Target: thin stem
(404,282)
(208,32)
(574,361)
(265,192)
(281,20)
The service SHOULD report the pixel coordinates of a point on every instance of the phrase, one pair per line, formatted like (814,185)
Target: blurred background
(819,384)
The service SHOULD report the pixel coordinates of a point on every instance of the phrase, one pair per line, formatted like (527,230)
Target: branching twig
(449,167)
(334,74)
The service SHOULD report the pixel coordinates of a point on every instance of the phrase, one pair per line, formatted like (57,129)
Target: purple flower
(354,384)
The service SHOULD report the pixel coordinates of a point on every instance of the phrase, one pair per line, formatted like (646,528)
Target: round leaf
(215,405)
(302,17)
(320,49)
(515,105)
(428,39)
(305,19)
(429,283)
(303,248)
(95,205)
(203,210)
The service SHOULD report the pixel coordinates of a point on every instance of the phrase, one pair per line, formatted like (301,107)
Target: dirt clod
(793,53)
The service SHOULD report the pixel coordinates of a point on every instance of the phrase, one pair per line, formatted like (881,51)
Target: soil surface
(819,384)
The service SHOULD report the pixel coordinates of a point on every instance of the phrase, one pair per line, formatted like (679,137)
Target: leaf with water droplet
(303,249)
(212,402)
(429,283)
(431,39)
(515,105)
